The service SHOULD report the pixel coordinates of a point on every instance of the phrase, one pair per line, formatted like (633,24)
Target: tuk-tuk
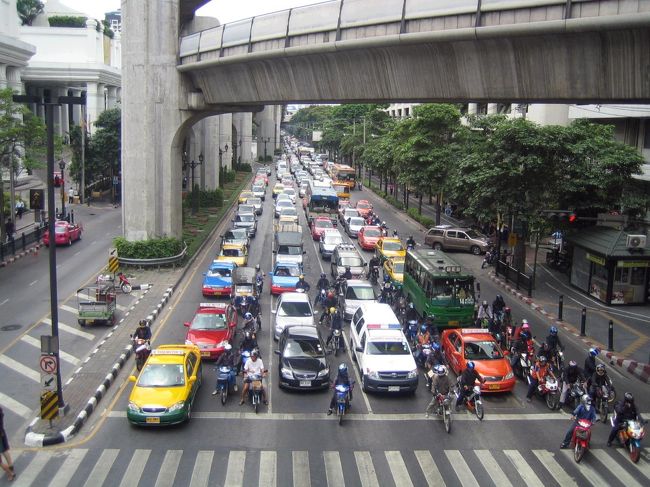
(244,290)
(96,304)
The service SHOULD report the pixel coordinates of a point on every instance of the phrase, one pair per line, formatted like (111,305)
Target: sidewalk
(631,324)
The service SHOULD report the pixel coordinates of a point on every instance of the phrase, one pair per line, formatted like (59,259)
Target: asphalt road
(384,441)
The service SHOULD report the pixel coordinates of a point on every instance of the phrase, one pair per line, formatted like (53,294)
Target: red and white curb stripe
(20,255)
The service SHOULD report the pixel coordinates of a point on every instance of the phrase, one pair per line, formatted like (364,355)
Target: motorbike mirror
(359,349)
(233,324)
(132,378)
(192,380)
(273,311)
(341,294)
(277,352)
(187,323)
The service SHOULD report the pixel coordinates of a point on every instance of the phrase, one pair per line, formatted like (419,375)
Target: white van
(381,350)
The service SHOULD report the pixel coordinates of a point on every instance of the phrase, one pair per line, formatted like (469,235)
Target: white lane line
(168,469)
(268,468)
(93,242)
(69,467)
(71,329)
(4,302)
(356,373)
(523,469)
(587,471)
(76,253)
(333,469)
(492,467)
(14,406)
(235,469)
(398,469)
(300,467)
(461,468)
(69,309)
(547,459)
(642,466)
(33,282)
(429,468)
(100,471)
(20,368)
(136,467)
(366,469)
(29,473)
(202,466)
(619,472)
(34,342)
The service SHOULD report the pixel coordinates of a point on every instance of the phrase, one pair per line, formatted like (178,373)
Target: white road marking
(429,468)
(35,342)
(102,467)
(4,302)
(615,468)
(69,467)
(71,329)
(366,469)
(268,468)
(14,406)
(523,469)
(356,373)
(76,253)
(587,471)
(168,469)
(235,469)
(20,368)
(136,467)
(69,309)
(461,468)
(492,467)
(547,459)
(300,466)
(33,469)
(93,242)
(398,469)
(333,470)
(202,467)
(33,282)
(642,466)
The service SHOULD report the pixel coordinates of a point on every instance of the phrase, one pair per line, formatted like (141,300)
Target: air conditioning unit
(635,241)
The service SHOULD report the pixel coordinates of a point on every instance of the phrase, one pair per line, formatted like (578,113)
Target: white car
(354,293)
(288,215)
(282,203)
(353,225)
(292,194)
(303,189)
(292,309)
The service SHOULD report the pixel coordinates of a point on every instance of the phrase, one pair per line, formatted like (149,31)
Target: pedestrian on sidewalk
(4,449)
(70,196)
(20,208)
(359,185)
(10,229)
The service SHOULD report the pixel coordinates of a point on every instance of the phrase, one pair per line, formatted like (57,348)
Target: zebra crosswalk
(270,468)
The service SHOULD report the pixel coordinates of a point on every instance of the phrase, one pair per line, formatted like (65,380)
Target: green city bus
(437,285)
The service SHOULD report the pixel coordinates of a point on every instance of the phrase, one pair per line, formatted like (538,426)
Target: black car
(303,362)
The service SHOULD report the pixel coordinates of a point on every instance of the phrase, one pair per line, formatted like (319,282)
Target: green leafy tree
(28,10)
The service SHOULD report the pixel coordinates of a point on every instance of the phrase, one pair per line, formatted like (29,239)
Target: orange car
(369,236)
(461,345)
(363,207)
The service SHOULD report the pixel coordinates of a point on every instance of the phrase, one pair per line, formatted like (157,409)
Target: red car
(363,207)
(461,345)
(368,237)
(261,177)
(211,328)
(319,225)
(64,233)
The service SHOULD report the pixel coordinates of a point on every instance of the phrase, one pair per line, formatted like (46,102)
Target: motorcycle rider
(336,323)
(538,372)
(259,279)
(484,311)
(570,376)
(423,337)
(374,263)
(554,343)
(523,327)
(583,411)
(411,314)
(598,380)
(253,366)
(519,346)
(439,385)
(498,305)
(249,322)
(249,343)
(323,284)
(466,382)
(142,332)
(435,357)
(347,274)
(545,351)
(302,284)
(228,359)
(410,242)
(625,411)
(342,378)
(330,303)
(386,289)
(590,363)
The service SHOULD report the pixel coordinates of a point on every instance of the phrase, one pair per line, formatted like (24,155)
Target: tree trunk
(406,197)
(438,207)
(420,203)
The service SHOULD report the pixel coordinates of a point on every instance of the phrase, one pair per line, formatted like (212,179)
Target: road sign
(113,264)
(49,382)
(48,364)
(49,405)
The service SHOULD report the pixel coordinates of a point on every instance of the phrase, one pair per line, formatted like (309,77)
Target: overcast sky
(224,10)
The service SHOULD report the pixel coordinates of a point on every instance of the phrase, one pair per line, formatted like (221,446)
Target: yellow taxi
(233,252)
(277,189)
(165,390)
(244,195)
(394,269)
(388,247)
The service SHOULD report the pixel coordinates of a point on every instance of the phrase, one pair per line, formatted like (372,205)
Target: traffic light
(573,218)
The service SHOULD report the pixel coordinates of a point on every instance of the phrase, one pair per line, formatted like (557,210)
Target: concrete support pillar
(14,80)
(265,131)
(3,76)
(278,121)
(94,103)
(472,108)
(112,97)
(236,136)
(246,137)
(60,111)
(76,109)
(211,152)
(225,138)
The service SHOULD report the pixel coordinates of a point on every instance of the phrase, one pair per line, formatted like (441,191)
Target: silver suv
(444,237)
(347,255)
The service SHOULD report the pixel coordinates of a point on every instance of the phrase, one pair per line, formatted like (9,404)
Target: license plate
(305,383)
(393,388)
(205,354)
(494,386)
(153,420)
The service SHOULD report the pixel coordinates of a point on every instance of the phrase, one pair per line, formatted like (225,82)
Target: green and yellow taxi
(394,269)
(233,252)
(388,247)
(164,392)
(244,195)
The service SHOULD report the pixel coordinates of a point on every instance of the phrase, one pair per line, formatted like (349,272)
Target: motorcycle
(558,360)
(373,274)
(123,283)
(580,438)
(547,389)
(473,402)
(410,246)
(605,396)
(576,391)
(142,349)
(490,257)
(412,331)
(421,358)
(523,364)
(224,379)
(337,341)
(342,400)
(444,409)
(259,282)
(401,309)
(630,435)
(255,391)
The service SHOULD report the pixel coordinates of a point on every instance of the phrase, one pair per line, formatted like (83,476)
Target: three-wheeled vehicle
(245,297)
(96,304)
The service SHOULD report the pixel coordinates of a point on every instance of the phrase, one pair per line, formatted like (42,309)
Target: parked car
(302,359)
(441,238)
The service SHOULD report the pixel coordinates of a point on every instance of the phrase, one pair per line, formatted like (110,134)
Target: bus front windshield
(453,291)
(327,205)
(345,176)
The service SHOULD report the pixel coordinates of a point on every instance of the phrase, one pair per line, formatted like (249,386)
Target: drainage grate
(10,327)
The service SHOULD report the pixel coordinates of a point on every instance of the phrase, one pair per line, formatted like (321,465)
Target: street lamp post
(62,167)
(221,151)
(266,140)
(239,152)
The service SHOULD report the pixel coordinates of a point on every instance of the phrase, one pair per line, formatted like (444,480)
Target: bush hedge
(245,167)
(424,220)
(67,21)
(228,176)
(148,249)
(412,212)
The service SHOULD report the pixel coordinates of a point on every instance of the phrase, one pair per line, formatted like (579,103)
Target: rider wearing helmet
(625,411)
(410,242)
(466,382)
(423,335)
(590,362)
(323,283)
(554,342)
(347,274)
(435,357)
(249,321)
(331,301)
(538,372)
(584,411)
(498,305)
(386,289)
(228,359)
(570,375)
(523,327)
(302,284)
(254,366)
(598,380)
(439,385)
(342,378)
(484,311)
(143,331)
(336,323)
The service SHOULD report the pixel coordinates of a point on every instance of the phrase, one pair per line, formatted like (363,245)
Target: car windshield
(285,204)
(387,348)
(356,222)
(218,272)
(485,350)
(303,347)
(162,375)
(290,191)
(259,188)
(363,206)
(296,309)
(208,321)
(350,212)
(360,292)
(247,208)
(474,234)
(392,246)
(324,223)
(246,217)
(289,250)
(235,234)
(255,201)
(332,239)
(232,252)
(398,267)
(288,212)
(286,271)
(350,261)
(371,232)
(60,229)
(339,188)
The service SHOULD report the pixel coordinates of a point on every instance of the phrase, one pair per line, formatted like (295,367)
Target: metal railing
(20,242)
(520,280)
(159,262)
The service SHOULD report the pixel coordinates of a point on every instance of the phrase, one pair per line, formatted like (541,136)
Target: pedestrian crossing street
(269,468)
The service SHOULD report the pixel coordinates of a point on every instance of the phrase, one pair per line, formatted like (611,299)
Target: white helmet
(441,370)
(227,347)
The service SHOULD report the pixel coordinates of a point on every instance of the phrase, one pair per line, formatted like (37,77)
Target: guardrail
(20,243)
(162,261)
(511,274)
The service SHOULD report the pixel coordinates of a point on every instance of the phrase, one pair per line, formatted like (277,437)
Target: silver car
(293,309)
(257,204)
(328,242)
(353,225)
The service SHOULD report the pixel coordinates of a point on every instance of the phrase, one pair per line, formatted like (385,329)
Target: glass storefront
(629,282)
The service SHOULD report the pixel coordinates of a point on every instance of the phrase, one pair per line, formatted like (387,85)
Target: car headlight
(324,373)
(134,407)
(177,406)
(188,342)
(373,374)
(509,375)
(413,374)
(286,373)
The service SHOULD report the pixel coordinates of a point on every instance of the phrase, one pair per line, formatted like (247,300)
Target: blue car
(218,280)
(284,277)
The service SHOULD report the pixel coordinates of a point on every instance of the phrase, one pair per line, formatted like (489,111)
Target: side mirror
(277,352)
(187,323)
(192,380)
(358,349)
(270,273)
(341,294)
(273,311)
(233,324)
(365,264)
(132,378)
(275,251)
